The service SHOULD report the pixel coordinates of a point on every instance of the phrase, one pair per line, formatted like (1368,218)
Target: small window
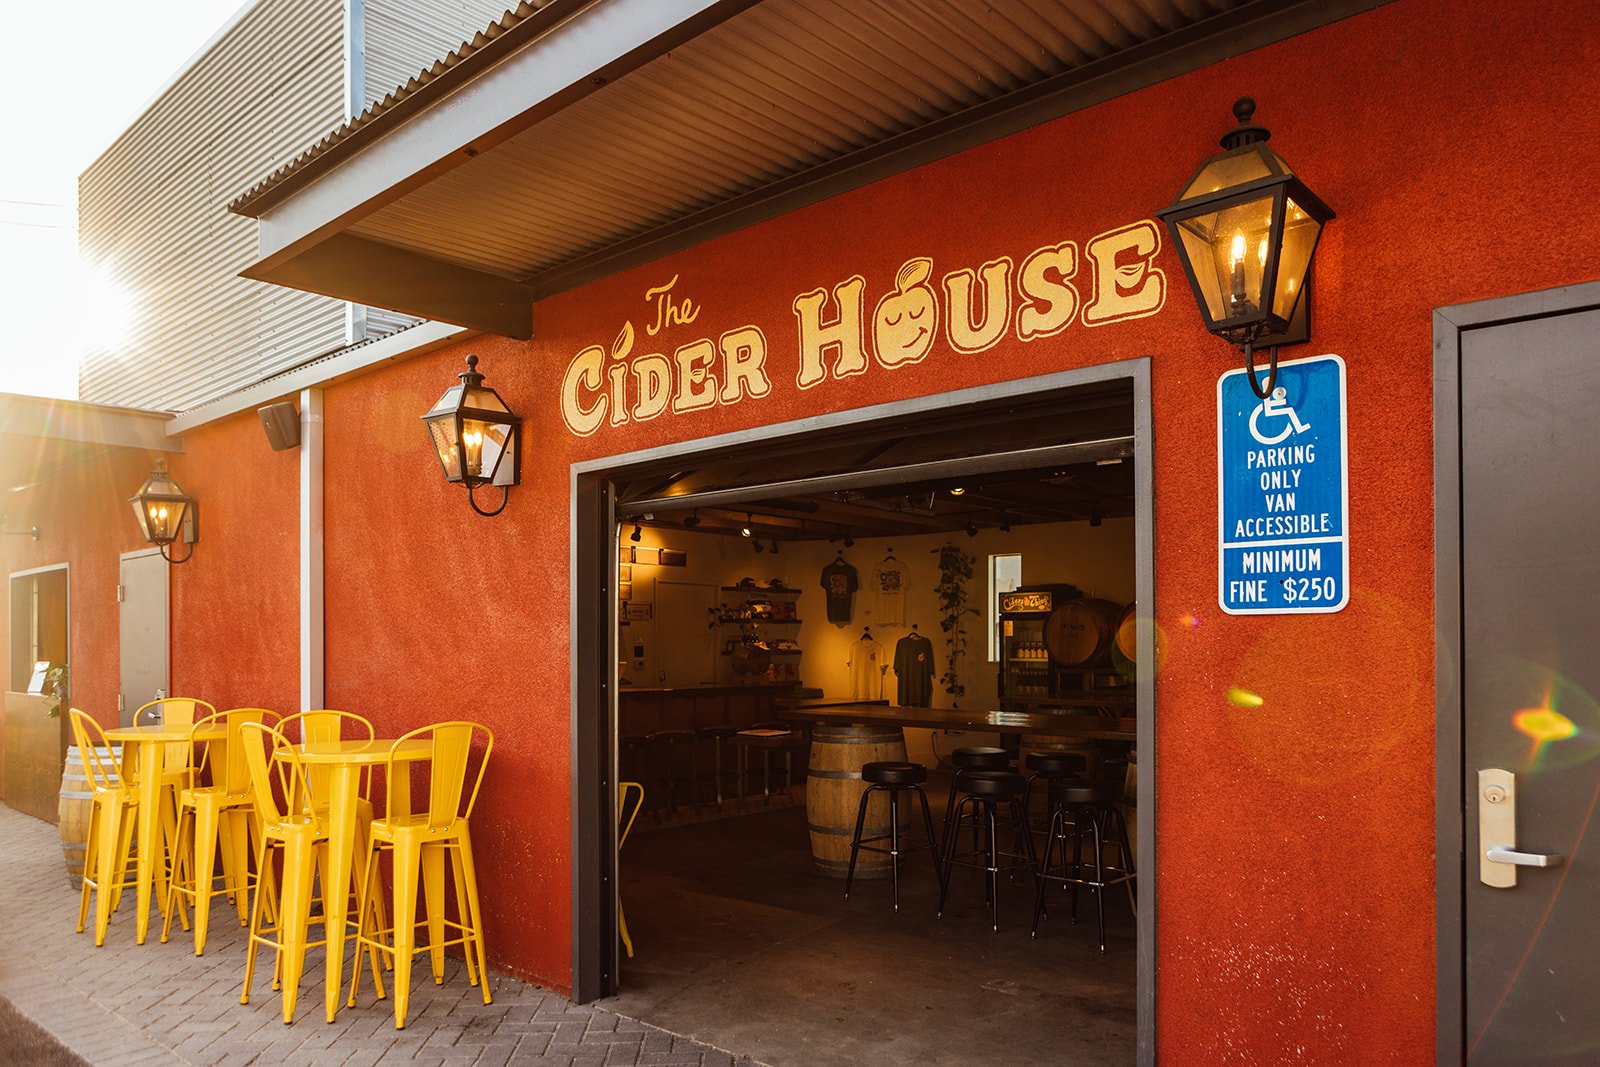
(1005,574)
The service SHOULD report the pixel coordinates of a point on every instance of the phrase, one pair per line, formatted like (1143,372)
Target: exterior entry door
(142,590)
(1529,674)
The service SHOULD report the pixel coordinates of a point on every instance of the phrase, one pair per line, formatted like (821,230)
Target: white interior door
(142,590)
(686,650)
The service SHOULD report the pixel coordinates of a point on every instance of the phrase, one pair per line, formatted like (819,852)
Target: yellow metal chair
(292,827)
(113,805)
(324,725)
(223,809)
(420,844)
(179,713)
(625,817)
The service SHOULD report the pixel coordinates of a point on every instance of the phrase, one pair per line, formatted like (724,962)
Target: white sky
(71,80)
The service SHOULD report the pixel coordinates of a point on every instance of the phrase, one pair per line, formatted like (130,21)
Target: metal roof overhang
(584,137)
(39,437)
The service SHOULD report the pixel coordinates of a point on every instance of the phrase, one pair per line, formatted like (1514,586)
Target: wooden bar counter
(1039,723)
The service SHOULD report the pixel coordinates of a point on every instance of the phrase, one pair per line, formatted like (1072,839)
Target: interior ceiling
(749,488)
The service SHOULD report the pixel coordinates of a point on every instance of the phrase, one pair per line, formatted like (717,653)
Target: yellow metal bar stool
(222,811)
(296,831)
(420,844)
(112,807)
(626,813)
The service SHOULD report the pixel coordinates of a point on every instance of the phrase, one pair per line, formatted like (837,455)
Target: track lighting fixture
(972,527)
(758,546)
(848,540)
(1005,523)
(692,519)
(774,546)
(637,530)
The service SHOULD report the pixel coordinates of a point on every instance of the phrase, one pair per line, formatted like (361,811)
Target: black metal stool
(1052,767)
(892,778)
(1090,808)
(666,744)
(980,793)
(716,735)
(971,758)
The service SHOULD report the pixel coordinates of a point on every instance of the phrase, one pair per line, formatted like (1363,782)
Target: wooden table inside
(1043,724)
(345,759)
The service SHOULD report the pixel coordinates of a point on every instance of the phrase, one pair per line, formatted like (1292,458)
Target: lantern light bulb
(1237,252)
(1261,253)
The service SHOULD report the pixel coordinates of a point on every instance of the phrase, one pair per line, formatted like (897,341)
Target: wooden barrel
(833,793)
(76,798)
(1079,633)
(1125,643)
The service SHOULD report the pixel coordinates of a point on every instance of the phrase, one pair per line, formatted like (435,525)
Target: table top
(1043,724)
(137,734)
(377,750)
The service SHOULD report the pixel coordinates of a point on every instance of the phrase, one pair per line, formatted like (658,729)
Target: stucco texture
(1295,838)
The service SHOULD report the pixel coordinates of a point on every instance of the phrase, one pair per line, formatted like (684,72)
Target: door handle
(1497,821)
(1501,854)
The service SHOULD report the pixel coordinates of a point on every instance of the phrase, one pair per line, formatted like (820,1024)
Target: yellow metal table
(345,759)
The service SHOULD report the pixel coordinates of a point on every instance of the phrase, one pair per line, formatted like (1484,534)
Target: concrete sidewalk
(127,1004)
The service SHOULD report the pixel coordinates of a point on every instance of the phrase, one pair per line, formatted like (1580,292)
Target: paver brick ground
(127,1004)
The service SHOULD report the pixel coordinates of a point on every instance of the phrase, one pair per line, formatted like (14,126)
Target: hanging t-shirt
(839,583)
(889,584)
(913,664)
(866,679)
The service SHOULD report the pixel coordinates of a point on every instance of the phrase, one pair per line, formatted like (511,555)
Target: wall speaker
(282,424)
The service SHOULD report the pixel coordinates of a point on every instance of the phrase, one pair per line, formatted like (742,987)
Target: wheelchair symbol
(1276,407)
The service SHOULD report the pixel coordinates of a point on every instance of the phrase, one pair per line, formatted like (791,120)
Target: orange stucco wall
(84,522)
(1278,937)
(1458,150)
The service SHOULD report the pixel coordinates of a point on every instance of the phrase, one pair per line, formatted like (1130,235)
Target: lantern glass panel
(1231,170)
(160,519)
(484,444)
(1300,233)
(442,429)
(1228,251)
(484,399)
(447,403)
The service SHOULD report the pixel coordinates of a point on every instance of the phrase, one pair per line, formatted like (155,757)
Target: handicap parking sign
(1283,501)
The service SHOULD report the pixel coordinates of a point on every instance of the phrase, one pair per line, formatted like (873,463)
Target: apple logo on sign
(904,322)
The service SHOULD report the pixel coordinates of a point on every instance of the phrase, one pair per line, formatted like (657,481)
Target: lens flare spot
(1243,698)
(1190,621)
(1544,724)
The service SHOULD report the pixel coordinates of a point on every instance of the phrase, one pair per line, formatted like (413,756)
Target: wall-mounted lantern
(475,437)
(1246,229)
(166,513)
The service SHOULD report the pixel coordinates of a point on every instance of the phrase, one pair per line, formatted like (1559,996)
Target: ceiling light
(758,546)
(972,527)
(1005,523)
(957,491)
(636,532)
(774,546)
(692,519)
(848,540)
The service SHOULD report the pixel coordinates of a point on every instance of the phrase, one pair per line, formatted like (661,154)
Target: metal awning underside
(582,137)
(40,437)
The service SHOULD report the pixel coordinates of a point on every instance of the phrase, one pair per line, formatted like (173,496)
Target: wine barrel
(75,801)
(833,795)
(1125,643)
(1079,633)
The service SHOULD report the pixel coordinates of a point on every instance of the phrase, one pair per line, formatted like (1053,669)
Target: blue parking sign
(1283,499)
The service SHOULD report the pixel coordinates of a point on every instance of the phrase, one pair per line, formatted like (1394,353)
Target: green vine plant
(55,686)
(955,569)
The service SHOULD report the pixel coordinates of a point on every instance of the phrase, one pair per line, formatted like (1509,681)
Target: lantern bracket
(1263,392)
(505,493)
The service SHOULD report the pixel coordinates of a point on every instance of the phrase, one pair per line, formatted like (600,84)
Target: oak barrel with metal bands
(76,800)
(1079,633)
(833,794)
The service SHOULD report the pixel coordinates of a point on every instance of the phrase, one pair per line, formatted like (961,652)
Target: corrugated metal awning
(586,136)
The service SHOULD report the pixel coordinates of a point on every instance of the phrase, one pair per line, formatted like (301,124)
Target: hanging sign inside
(1283,500)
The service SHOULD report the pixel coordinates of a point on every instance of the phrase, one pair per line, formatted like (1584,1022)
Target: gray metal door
(1530,682)
(143,621)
